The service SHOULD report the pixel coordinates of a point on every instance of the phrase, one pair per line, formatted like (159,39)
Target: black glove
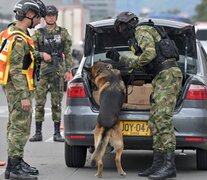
(113,54)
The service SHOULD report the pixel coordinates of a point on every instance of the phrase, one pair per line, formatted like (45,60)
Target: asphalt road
(48,156)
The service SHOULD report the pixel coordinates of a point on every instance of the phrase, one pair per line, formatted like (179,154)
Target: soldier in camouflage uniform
(17,48)
(54,44)
(167,80)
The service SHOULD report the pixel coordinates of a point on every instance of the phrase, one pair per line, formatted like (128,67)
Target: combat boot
(158,160)
(57,136)
(17,173)
(8,169)
(168,170)
(38,133)
(25,167)
(29,169)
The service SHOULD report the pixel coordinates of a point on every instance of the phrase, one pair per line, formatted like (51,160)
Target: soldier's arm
(67,43)
(37,38)
(147,45)
(19,80)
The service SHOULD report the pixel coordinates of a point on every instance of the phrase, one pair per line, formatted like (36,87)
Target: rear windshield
(186,64)
(201,35)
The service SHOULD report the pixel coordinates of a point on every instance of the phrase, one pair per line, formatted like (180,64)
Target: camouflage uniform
(166,86)
(47,82)
(16,89)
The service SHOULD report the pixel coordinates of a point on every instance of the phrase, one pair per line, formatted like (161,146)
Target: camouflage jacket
(146,37)
(66,64)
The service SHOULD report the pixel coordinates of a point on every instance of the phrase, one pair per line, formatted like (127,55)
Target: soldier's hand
(63,56)
(46,57)
(113,54)
(66,76)
(26,104)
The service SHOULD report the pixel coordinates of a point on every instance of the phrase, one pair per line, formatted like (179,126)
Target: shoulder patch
(18,41)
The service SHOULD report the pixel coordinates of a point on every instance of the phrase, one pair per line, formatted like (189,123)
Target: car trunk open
(138,85)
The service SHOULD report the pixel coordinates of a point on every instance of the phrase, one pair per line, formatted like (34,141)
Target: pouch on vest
(166,46)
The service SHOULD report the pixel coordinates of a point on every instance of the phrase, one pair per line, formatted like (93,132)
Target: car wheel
(75,156)
(201,159)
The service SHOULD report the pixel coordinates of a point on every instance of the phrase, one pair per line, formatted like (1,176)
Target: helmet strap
(32,20)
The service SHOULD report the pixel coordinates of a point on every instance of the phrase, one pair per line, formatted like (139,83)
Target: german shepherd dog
(111,90)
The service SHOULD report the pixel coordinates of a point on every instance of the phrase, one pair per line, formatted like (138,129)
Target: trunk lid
(100,36)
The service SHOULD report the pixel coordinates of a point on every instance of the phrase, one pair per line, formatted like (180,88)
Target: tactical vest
(53,45)
(51,42)
(165,50)
(7,39)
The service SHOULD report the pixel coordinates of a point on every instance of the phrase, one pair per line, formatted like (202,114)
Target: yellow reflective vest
(7,38)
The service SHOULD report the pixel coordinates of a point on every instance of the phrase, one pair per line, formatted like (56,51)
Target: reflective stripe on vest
(10,36)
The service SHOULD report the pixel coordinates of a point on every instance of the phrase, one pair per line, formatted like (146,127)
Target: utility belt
(163,66)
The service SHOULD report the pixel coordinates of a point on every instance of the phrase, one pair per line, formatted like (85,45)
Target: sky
(136,6)
(156,6)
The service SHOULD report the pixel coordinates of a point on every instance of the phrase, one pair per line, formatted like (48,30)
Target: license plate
(135,128)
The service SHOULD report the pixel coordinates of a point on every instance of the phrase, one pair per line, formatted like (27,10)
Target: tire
(75,156)
(201,159)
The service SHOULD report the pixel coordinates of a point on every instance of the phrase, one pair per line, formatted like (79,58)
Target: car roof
(160,22)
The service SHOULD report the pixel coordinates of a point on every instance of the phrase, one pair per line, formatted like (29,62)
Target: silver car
(190,116)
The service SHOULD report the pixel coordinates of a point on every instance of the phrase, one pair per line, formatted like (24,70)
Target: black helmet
(42,8)
(51,10)
(23,6)
(127,19)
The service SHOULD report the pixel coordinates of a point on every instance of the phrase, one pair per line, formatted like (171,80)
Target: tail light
(195,139)
(197,92)
(76,90)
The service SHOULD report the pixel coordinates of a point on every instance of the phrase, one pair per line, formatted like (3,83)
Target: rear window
(201,35)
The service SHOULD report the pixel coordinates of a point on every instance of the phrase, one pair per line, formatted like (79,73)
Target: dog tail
(103,141)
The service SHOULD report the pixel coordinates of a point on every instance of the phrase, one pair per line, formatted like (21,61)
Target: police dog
(111,90)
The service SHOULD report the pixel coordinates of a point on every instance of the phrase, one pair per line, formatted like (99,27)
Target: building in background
(74,18)
(75,14)
(99,9)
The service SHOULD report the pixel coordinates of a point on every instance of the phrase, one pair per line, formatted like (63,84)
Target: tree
(201,11)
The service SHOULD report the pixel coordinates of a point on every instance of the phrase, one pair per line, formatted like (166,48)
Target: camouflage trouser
(49,84)
(166,87)
(19,122)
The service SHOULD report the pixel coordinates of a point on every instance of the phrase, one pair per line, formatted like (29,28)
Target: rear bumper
(79,122)
(134,142)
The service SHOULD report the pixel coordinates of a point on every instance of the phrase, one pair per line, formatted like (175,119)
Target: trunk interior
(138,92)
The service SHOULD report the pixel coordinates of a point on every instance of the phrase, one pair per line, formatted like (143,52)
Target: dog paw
(99,175)
(123,174)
